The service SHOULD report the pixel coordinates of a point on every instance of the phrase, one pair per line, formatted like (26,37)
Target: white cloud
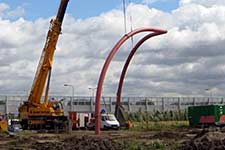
(184,61)
(151,1)
(3,7)
(207,3)
(18,12)
(7,13)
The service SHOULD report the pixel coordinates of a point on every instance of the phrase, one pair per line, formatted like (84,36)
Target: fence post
(208,100)
(91,103)
(129,108)
(6,105)
(110,104)
(179,104)
(222,100)
(146,104)
(71,104)
(163,104)
(194,101)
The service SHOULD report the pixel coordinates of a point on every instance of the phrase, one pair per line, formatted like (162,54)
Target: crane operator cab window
(57,106)
(1,117)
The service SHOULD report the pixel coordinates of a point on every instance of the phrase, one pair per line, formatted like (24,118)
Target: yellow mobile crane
(35,114)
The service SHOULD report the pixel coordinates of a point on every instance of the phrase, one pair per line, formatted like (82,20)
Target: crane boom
(33,113)
(45,63)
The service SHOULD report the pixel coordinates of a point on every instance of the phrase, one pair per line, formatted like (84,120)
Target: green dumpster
(206,115)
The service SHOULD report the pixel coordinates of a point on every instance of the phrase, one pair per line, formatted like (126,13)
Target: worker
(129,124)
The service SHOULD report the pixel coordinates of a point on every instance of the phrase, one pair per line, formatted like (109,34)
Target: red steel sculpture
(106,65)
(129,58)
(122,76)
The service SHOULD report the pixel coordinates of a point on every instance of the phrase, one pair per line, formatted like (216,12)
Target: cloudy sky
(184,62)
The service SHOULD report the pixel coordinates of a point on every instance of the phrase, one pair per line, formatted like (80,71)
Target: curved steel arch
(129,58)
(105,68)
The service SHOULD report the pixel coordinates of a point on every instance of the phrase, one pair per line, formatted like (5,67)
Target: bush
(158,116)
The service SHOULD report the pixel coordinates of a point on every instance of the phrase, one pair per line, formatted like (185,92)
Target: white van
(108,121)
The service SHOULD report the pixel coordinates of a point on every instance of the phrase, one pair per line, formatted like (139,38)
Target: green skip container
(206,115)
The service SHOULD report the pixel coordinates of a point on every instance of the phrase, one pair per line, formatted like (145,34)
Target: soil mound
(80,143)
(206,141)
(168,135)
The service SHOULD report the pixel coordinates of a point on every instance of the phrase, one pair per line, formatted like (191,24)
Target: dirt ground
(182,138)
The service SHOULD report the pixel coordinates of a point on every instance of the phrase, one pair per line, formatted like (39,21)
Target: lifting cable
(125,20)
(131,25)
(125,16)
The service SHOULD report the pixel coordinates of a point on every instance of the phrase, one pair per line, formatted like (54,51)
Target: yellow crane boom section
(45,63)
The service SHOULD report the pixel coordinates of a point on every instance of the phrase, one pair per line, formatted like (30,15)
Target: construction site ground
(169,139)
